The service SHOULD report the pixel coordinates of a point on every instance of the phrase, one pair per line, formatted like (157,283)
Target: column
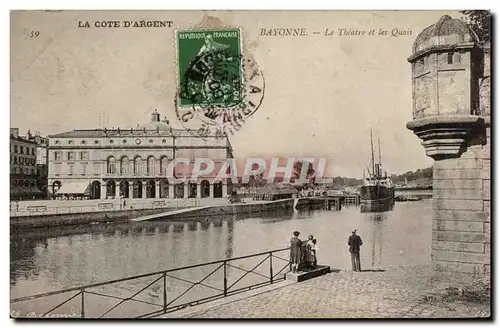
(198,190)
(143,189)
(157,189)
(224,189)
(186,189)
(171,188)
(211,190)
(103,190)
(131,189)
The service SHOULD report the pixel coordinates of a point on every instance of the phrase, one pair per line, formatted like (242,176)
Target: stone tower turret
(451,114)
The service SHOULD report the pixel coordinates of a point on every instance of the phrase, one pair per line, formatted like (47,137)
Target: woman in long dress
(311,252)
(295,253)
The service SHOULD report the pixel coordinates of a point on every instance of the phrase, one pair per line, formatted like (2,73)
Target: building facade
(23,170)
(132,162)
(451,114)
(42,167)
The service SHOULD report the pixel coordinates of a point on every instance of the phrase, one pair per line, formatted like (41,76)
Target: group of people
(300,253)
(307,254)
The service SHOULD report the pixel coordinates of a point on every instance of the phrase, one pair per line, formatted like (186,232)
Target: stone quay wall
(46,221)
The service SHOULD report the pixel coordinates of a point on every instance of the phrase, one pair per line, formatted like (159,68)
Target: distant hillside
(418,177)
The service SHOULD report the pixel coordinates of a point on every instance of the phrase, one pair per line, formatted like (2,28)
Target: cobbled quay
(404,292)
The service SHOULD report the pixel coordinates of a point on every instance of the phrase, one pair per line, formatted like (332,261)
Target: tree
(479,21)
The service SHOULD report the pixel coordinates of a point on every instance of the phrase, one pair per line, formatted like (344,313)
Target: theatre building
(132,162)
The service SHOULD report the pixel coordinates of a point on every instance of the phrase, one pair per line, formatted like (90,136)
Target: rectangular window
(96,169)
(450,58)
(57,169)
(33,151)
(84,169)
(15,160)
(57,155)
(70,169)
(71,156)
(15,148)
(84,156)
(21,149)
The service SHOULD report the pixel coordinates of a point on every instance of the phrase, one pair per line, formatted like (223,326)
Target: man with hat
(354,243)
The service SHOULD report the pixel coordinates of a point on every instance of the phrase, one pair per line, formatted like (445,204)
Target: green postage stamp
(210,67)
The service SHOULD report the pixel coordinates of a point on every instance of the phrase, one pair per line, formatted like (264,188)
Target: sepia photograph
(250,164)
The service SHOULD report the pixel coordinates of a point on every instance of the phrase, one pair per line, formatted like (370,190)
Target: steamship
(377,189)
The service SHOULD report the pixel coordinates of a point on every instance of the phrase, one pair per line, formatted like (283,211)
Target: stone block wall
(461,221)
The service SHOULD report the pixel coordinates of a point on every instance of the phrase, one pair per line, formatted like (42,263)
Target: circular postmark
(219,90)
(210,116)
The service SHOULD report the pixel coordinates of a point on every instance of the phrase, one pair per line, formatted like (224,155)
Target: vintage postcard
(250,164)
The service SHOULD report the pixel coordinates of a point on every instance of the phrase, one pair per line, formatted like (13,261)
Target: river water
(58,258)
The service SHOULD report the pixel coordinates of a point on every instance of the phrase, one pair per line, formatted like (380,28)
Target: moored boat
(377,189)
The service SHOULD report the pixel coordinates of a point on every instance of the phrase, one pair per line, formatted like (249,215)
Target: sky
(322,93)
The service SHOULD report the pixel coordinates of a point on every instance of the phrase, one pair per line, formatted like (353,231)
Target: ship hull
(376,194)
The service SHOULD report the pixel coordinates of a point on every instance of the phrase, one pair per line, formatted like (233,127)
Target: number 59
(34,34)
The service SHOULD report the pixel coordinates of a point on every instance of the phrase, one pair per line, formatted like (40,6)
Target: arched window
(151,166)
(163,165)
(124,166)
(111,165)
(138,166)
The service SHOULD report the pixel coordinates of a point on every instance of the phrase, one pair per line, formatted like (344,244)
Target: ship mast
(373,156)
(379,153)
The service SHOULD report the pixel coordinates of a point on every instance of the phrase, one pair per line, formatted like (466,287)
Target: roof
(277,189)
(105,133)
(447,31)
(12,137)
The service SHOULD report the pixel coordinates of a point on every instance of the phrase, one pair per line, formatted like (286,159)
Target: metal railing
(172,297)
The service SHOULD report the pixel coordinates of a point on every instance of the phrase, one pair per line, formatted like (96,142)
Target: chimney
(155,117)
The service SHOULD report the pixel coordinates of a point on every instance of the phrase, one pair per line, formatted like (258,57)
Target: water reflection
(382,207)
(63,257)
